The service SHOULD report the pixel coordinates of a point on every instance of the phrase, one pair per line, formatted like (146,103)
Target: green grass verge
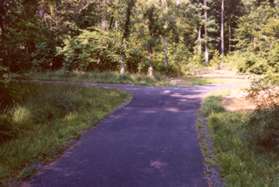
(241,162)
(37,122)
(116,78)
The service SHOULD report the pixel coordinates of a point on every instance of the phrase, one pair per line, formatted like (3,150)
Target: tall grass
(41,119)
(241,161)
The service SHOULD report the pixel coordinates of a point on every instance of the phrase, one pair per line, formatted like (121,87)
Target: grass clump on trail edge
(242,161)
(116,78)
(37,121)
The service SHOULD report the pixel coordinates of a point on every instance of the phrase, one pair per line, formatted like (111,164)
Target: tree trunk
(206,53)
(2,15)
(199,41)
(165,47)
(150,68)
(122,64)
(126,34)
(3,49)
(104,21)
(123,58)
(222,33)
(230,37)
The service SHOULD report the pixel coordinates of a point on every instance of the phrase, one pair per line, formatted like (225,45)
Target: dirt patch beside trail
(236,104)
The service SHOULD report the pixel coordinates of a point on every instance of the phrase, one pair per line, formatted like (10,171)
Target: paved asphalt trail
(151,142)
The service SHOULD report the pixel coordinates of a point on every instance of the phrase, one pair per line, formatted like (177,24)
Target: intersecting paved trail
(151,142)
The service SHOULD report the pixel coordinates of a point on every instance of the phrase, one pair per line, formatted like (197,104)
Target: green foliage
(179,60)
(263,122)
(92,49)
(273,58)
(37,126)
(216,59)
(240,161)
(258,39)
(212,105)
(264,129)
(128,31)
(248,62)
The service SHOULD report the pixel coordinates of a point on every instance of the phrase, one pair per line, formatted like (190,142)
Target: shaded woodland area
(138,36)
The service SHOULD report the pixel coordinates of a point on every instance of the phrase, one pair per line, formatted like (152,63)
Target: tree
(206,52)
(126,33)
(222,31)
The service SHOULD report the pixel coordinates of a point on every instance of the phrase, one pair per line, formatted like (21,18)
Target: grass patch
(241,161)
(38,121)
(211,105)
(116,78)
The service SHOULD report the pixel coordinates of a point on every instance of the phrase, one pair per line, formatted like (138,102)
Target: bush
(249,62)
(263,128)
(92,50)
(240,162)
(253,64)
(273,59)
(263,123)
(216,59)
(100,50)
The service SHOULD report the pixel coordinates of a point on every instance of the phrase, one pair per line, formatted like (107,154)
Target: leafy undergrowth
(242,161)
(38,121)
(116,78)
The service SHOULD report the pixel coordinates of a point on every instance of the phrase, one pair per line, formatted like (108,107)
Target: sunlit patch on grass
(21,115)
(71,116)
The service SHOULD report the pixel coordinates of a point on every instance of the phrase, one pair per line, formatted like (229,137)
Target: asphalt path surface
(151,142)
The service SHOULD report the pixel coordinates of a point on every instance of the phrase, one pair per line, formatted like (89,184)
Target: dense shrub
(92,50)
(263,124)
(216,59)
(273,58)
(263,127)
(237,138)
(248,62)
(99,50)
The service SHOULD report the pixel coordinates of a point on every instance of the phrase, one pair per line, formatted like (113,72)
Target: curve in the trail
(151,142)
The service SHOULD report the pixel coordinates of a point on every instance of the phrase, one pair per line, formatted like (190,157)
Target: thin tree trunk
(150,68)
(165,46)
(122,64)
(2,14)
(230,37)
(122,58)
(254,43)
(206,53)
(104,21)
(126,34)
(199,41)
(3,51)
(111,23)
(222,34)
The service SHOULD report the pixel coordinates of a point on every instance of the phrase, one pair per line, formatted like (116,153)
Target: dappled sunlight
(172,109)
(159,165)
(21,115)
(71,116)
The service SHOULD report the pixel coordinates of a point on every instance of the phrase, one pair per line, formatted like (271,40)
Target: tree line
(169,36)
